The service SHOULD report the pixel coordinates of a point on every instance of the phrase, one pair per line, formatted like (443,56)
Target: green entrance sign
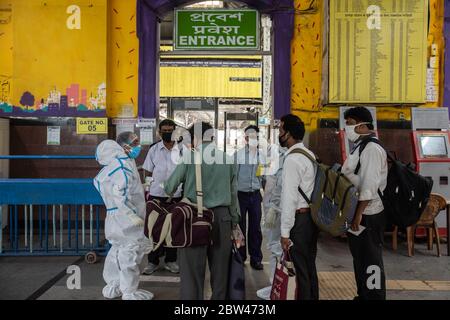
(216,29)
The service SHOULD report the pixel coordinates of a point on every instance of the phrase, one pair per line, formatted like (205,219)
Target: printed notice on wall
(378,51)
(54,136)
(146,136)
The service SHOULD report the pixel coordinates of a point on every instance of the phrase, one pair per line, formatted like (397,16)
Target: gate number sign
(92,125)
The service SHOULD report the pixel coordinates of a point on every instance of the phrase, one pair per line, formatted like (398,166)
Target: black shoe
(257,265)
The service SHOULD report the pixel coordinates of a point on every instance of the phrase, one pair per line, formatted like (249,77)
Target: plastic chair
(435,205)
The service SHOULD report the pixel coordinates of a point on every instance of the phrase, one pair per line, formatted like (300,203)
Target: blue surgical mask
(135,151)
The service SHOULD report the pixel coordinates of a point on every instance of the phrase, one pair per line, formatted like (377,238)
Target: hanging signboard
(217,29)
(146,123)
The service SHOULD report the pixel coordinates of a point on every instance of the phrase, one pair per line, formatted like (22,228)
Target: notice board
(378,51)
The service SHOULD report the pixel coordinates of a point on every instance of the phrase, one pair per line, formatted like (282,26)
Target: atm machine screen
(433,146)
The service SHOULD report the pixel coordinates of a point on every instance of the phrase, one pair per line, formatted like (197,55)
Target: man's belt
(250,192)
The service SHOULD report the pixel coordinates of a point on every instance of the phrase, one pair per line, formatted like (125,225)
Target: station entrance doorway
(228,88)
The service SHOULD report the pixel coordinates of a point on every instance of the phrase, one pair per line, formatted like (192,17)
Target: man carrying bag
(219,186)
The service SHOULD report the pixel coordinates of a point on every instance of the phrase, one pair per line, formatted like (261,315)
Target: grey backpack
(334,198)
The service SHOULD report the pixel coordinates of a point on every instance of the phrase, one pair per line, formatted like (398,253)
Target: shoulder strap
(153,144)
(303,152)
(308,200)
(314,161)
(364,144)
(361,148)
(198,182)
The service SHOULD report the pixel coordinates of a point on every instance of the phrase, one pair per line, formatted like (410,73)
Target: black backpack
(407,192)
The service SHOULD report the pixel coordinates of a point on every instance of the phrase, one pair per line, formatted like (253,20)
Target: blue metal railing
(24,196)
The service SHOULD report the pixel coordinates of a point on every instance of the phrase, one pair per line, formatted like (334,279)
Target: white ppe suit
(120,186)
(272,202)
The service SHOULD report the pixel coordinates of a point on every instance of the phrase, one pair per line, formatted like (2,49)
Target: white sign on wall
(54,136)
(146,136)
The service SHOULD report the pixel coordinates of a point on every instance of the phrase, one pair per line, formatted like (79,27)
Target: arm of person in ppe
(121,179)
(274,203)
(147,185)
(271,217)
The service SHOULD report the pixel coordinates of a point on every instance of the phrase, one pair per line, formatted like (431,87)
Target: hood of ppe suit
(108,151)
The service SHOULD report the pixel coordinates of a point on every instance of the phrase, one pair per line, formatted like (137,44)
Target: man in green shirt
(219,184)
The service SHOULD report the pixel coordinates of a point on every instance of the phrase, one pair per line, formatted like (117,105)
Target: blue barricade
(51,217)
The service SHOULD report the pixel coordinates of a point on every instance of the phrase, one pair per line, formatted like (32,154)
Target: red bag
(180,225)
(284,286)
(157,224)
(189,226)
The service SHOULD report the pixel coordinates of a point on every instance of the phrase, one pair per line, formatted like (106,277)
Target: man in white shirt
(160,162)
(298,231)
(367,169)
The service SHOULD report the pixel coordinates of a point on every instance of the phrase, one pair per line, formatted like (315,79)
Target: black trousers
(367,252)
(170,253)
(303,253)
(251,203)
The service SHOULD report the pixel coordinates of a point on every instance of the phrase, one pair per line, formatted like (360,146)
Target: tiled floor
(341,285)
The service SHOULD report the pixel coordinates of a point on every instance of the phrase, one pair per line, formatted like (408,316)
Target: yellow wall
(123,56)
(48,55)
(123,48)
(307,65)
(307,62)
(6,51)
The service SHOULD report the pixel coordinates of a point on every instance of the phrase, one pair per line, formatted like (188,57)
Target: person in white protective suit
(120,186)
(272,220)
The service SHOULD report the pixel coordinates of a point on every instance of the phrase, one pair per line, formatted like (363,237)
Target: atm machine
(431,149)
(346,145)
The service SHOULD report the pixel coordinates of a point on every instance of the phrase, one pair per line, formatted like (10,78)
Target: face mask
(135,151)
(351,133)
(253,143)
(280,140)
(167,136)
